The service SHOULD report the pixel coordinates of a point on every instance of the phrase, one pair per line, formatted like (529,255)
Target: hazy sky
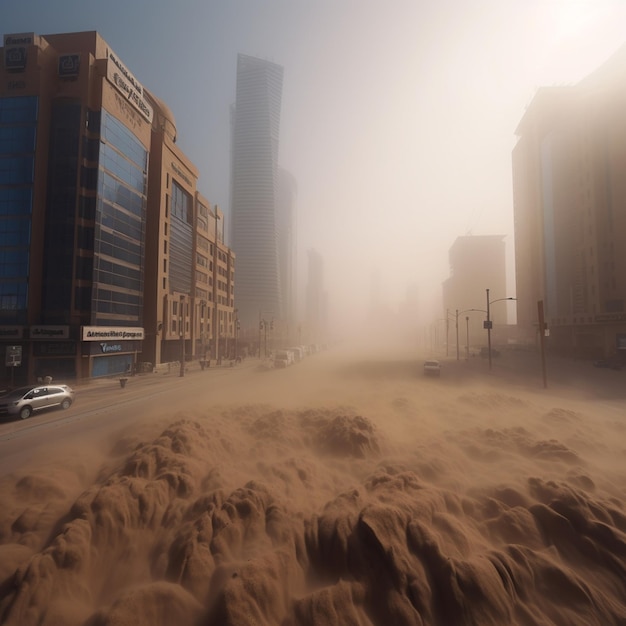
(398,116)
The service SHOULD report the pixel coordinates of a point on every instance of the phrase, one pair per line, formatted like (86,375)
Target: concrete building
(98,213)
(254,187)
(316,328)
(477,263)
(570,213)
(286,227)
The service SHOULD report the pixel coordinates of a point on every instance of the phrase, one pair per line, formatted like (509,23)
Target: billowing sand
(390,500)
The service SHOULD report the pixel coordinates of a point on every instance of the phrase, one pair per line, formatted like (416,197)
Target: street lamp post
(467,336)
(488,330)
(264,326)
(457,334)
(488,324)
(182,335)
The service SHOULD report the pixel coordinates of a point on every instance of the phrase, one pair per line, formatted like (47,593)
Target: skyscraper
(287,244)
(254,180)
(570,218)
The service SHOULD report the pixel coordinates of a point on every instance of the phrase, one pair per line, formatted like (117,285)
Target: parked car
(298,353)
(24,401)
(611,363)
(484,352)
(283,358)
(432,368)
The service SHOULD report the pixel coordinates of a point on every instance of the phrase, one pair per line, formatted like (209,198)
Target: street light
(264,325)
(467,330)
(182,334)
(488,323)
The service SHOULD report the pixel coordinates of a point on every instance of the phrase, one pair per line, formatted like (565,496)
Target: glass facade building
(18,136)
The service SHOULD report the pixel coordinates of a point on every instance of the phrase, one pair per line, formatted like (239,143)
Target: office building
(254,187)
(316,303)
(91,258)
(570,213)
(477,263)
(286,228)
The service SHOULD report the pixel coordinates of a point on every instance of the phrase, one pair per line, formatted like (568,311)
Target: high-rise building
(316,303)
(254,188)
(100,220)
(286,226)
(477,263)
(570,213)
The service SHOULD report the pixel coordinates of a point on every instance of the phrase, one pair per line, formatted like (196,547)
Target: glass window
(181,203)
(21,109)
(16,170)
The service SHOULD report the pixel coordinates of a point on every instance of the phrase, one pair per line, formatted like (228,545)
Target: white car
(432,368)
(24,401)
(283,358)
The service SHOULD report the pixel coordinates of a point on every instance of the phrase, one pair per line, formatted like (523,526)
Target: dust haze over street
(345,489)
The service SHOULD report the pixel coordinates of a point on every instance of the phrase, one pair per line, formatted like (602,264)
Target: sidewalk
(165,370)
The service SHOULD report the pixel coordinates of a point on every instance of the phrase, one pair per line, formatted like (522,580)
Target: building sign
(11,332)
(13,356)
(127,85)
(115,333)
(181,174)
(110,347)
(44,333)
(21,39)
(69,65)
(15,59)
(54,348)
(15,50)
(610,317)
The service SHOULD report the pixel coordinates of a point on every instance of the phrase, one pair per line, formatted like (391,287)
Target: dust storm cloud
(348,489)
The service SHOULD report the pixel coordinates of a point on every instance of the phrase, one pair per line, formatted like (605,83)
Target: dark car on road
(24,401)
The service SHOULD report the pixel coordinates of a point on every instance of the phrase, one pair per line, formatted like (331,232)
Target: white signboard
(112,333)
(13,356)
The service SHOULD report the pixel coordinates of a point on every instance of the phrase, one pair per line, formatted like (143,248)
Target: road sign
(13,356)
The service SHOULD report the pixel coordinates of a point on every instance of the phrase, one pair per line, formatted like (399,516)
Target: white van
(283,358)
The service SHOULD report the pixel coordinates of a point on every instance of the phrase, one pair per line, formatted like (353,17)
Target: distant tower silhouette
(254,189)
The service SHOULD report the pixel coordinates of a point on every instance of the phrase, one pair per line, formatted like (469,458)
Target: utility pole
(182,334)
(488,330)
(457,334)
(542,341)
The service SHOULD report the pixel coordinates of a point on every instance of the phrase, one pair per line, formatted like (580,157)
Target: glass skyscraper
(254,180)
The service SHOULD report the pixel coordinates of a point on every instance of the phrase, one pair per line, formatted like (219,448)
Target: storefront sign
(110,347)
(44,333)
(98,333)
(610,317)
(54,348)
(127,85)
(11,332)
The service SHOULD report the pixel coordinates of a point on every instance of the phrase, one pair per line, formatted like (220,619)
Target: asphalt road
(103,409)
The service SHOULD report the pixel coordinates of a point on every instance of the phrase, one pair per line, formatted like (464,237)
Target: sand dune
(395,501)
